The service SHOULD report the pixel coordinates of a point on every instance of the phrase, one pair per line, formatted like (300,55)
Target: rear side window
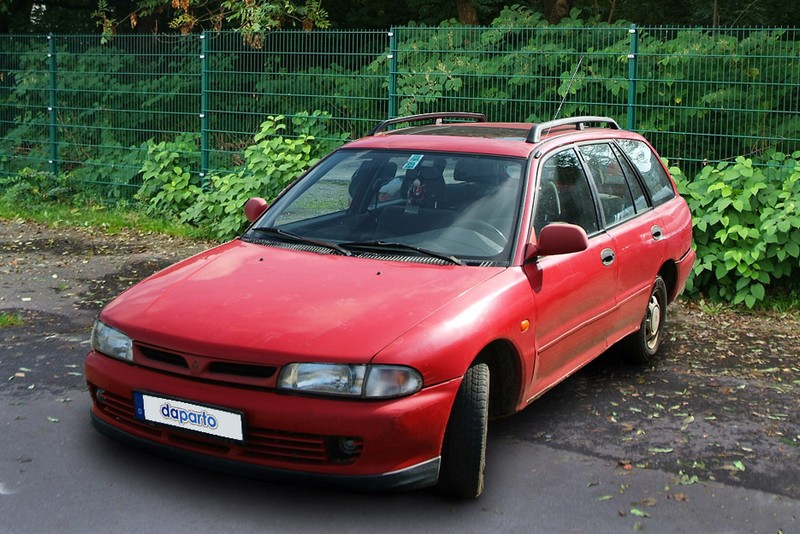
(615,187)
(649,166)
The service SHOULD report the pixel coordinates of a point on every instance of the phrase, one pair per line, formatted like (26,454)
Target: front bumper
(417,476)
(287,437)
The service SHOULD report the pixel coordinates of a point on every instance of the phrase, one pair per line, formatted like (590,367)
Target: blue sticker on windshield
(412,162)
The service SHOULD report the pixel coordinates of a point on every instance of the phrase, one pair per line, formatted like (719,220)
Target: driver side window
(564,194)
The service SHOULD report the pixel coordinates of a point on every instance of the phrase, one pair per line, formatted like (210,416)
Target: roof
(472,133)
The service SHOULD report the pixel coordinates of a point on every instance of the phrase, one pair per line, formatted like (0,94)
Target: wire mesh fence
(511,74)
(74,105)
(701,95)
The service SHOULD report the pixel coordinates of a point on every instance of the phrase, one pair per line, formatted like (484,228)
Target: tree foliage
(153,16)
(111,17)
(187,16)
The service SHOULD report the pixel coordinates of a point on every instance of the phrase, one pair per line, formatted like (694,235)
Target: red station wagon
(408,288)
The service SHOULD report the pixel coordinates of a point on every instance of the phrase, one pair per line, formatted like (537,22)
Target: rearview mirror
(558,238)
(254,208)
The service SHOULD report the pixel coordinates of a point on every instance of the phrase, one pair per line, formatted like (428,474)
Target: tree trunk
(611,11)
(555,10)
(467,13)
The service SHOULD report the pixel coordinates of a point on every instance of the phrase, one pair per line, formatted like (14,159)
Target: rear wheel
(464,448)
(641,346)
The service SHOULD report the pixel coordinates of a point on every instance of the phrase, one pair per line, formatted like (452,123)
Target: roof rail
(535,134)
(436,117)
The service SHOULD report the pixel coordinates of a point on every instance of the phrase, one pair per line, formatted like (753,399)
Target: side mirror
(558,238)
(254,208)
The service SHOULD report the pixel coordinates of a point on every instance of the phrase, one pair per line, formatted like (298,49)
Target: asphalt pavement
(58,475)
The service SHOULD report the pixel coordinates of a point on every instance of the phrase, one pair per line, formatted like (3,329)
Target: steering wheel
(486,230)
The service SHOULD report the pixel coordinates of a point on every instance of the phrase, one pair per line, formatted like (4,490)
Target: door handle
(607,256)
(656,232)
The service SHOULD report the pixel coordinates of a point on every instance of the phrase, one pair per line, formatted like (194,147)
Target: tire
(464,448)
(640,347)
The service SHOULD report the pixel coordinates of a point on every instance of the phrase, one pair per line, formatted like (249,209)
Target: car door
(635,228)
(573,293)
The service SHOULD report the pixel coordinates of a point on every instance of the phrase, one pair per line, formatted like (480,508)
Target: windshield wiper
(289,236)
(372,245)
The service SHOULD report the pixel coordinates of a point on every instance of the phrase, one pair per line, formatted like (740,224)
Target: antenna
(571,80)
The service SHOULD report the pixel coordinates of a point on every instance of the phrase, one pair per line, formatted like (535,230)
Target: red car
(411,286)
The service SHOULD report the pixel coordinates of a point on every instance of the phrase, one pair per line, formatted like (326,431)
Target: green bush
(32,187)
(168,185)
(746,227)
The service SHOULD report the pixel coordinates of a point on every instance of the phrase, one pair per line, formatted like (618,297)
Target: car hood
(250,302)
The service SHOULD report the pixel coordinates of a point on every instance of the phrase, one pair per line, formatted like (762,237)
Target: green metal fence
(77,106)
(701,95)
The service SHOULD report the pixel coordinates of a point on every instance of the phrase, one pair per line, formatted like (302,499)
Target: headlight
(365,381)
(111,342)
(323,378)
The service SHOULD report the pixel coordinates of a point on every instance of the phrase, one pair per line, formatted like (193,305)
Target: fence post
(392,73)
(632,59)
(51,106)
(203,109)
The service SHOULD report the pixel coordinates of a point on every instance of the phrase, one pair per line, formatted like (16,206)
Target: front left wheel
(464,449)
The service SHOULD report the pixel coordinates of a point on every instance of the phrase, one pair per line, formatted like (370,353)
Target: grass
(8,319)
(111,219)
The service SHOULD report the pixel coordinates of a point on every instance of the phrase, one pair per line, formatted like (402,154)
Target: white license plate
(189,416)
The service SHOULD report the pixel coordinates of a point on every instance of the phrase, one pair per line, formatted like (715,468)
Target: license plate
(189,416)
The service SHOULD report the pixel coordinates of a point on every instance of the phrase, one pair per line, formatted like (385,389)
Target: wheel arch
(669,272)
(505,382)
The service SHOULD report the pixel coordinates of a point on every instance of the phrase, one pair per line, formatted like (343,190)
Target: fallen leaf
(688,420)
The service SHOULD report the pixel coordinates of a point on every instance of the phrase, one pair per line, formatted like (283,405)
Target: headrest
(479,171)
(568,175)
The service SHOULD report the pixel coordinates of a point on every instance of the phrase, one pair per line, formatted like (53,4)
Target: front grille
(205,368)
(242,369)
(164,357)
(261,444)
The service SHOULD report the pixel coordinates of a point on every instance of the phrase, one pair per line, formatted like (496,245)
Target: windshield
(457,206)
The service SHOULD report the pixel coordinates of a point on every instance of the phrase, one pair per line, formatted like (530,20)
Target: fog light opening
(344,449)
